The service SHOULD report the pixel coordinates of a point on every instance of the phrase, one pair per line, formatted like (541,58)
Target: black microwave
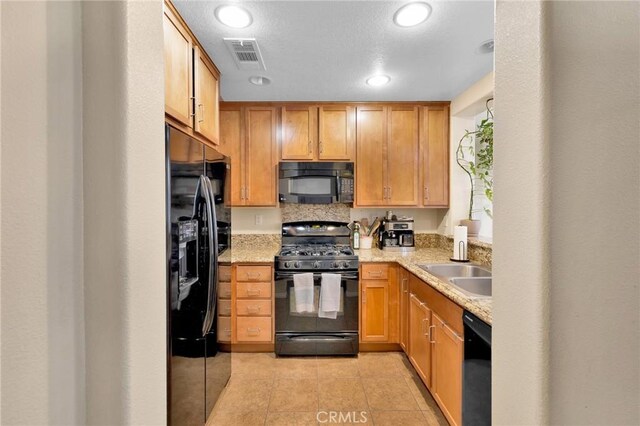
(316,183)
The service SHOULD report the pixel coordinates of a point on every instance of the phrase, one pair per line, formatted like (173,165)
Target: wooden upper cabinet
(435,156)
(231,144)
(374,311)
(447,377)
(299,132)
(178,51)
(371,188)
(260,156)
(206,90)
(402,156)
(336,132)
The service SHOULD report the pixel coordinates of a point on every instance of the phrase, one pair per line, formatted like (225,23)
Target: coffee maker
(397,234)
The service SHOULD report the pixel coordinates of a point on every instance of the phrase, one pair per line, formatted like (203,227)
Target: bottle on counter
(356,236)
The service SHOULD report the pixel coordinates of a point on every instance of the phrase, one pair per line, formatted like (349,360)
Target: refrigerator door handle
(213,258)
(202,191)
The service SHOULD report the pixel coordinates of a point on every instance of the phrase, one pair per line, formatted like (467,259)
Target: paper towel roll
(460,250)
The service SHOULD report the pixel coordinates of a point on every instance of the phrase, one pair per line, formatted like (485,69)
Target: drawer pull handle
(254,276)
(430,335)
(375,273)
(253,331)
(253,292)
(253,309)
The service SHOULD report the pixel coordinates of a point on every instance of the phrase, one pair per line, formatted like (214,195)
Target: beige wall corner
(41,321)
(567,243)
(125,238)
(520,364)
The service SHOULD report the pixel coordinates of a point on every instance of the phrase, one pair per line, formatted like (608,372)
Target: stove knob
(335,265)
(296,264)
(316,264)
(287,264)
(345,264)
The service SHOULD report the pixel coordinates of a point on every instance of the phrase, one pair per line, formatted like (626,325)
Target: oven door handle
(319,337)
(285,275)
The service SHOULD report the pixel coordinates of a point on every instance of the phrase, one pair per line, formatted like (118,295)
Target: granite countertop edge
(481,307)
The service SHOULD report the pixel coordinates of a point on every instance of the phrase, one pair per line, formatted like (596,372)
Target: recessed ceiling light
(378,80)
(233,16)
(412,14)
(259,80)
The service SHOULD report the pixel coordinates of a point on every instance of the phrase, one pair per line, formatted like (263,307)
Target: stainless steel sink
(452,270)
(472,280)
(473,286)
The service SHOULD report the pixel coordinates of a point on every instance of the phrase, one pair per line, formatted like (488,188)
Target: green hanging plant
(481,167)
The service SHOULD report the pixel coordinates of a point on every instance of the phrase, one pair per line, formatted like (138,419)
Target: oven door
(306,333)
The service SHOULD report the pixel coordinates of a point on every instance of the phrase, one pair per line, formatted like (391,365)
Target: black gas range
(316,247)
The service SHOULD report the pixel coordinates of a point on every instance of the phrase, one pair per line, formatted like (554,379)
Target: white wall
(566,301)
(464,108)
(125,231)
(42,325)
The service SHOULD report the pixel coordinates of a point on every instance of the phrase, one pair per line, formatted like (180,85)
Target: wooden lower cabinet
(379,303)
(225,305)
(419,343)
(374,326)
(253,304)
(436,345)
(447,378)
(403,277)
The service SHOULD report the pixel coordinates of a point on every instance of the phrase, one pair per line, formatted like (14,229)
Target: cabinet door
(403,156)
(447,377)
(260,156)
(206,97)
(337,132)
(178,54)
(404,310)
(419,344)
(435,156)
(299,133)
(231,144)
(370,156)
(374,311)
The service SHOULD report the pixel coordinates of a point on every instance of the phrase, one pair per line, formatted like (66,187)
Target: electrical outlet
(259,219)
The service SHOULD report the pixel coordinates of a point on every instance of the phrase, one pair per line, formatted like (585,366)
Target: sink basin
(473,286)
(451,270)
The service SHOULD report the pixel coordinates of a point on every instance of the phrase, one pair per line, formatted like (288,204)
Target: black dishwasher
(476,372)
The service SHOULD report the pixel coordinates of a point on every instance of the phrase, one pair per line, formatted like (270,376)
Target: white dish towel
(329,296)
(303,289)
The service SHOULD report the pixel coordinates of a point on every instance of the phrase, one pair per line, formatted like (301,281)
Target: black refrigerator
(198,233)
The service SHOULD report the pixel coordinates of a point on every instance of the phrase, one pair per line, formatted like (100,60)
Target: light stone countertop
(481,307)
(244,254)
(265,251)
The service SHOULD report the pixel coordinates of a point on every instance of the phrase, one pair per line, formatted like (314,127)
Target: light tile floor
(372,389)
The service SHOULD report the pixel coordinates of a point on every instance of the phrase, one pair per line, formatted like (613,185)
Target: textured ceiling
(325,50)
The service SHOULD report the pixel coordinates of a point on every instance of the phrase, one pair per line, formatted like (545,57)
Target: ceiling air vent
(246,53)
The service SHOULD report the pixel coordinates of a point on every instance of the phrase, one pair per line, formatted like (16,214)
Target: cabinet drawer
(224,290)
(224,329)
(253,307)
(253,290)
(253,273)
(374,271)
(224,308)
(224,273)
(253,329)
